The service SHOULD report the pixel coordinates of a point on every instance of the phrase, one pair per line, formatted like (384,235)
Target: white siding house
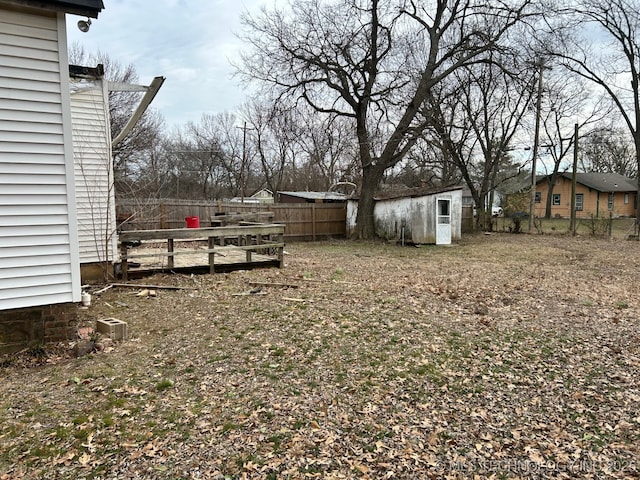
(38,237)
(39,255)
(95,199)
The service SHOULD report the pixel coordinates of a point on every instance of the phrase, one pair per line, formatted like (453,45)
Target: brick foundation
(25,327)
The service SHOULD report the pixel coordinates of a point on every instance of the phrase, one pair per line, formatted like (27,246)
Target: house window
(556,199)
(579,202)
(626,199)
(610,201)
(538,197)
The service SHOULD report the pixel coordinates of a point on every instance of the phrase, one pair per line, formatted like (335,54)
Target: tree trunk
(551,183)
(637,144)
(365,222)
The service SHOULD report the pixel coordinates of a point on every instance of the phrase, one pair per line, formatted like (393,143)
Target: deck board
(155,258)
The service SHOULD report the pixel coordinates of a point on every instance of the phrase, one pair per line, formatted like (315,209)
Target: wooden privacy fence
(303,221)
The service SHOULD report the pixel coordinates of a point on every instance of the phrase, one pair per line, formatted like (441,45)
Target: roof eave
(84,8)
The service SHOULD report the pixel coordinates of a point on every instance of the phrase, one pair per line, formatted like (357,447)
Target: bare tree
(148,132)
(373,63)
(209,157)
(327,146)
(274,133)
(614,64)
(608,150)
(566,98)
(426,165)
(477,119)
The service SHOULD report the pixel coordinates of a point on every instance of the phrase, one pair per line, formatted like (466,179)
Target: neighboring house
(311,197)
(597,194)
(261,197)
(467,198)
(95,199)
(39,253)
(419,216)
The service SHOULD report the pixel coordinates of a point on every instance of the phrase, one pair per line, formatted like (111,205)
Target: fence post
(313,222)
(170,249)
(281,250)
(123,261)
(610,223)
(211,243)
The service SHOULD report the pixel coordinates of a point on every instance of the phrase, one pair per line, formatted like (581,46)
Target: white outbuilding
(417,216)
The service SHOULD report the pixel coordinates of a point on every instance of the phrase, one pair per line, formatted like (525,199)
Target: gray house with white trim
(39,249)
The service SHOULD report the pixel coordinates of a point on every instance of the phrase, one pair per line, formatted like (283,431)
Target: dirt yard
(506,356)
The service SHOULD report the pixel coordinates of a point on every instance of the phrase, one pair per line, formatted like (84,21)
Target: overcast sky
(190,42)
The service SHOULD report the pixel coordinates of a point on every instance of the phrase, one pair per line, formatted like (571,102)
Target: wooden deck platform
(211,249)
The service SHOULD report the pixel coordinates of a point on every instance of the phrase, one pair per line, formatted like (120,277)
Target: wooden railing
(251,238)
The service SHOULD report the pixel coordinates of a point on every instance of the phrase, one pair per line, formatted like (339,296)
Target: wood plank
(158,287)
(200,233)
(214,250)
(274,284)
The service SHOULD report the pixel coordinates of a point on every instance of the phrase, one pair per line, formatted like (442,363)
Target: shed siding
(37,230)
(417,215)
(95,200)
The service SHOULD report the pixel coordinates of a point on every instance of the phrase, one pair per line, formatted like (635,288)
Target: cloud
(190,42)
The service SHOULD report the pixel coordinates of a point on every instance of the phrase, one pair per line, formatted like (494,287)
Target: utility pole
(244,161)
(536,146)
(572,226)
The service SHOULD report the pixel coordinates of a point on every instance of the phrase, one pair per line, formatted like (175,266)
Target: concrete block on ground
(112,327)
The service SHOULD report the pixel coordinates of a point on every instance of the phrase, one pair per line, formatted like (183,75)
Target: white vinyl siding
(95,200)
(38,244)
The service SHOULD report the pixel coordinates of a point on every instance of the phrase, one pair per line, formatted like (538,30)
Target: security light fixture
(83,25)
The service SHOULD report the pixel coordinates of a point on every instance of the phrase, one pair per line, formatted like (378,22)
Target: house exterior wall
(594,202)
(36,325)
(39,262)
(416,214)
(95,199)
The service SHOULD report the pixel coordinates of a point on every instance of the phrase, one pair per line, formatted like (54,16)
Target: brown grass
(509,355)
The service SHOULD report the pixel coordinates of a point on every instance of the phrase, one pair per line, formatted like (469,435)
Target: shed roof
(334,196)
(89,8)
(415,192)
(409,192)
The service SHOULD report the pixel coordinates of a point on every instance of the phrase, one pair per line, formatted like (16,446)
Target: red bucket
(192,222)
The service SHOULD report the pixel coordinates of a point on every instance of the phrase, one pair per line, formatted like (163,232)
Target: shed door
(443,218)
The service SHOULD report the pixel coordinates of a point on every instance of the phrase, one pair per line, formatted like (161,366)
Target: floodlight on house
(83,25)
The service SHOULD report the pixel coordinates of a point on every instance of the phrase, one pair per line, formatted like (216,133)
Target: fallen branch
(273,284)
(157,287)
(102,290)
(299,300)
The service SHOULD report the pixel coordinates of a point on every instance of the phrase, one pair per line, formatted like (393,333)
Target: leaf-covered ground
(501,357)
